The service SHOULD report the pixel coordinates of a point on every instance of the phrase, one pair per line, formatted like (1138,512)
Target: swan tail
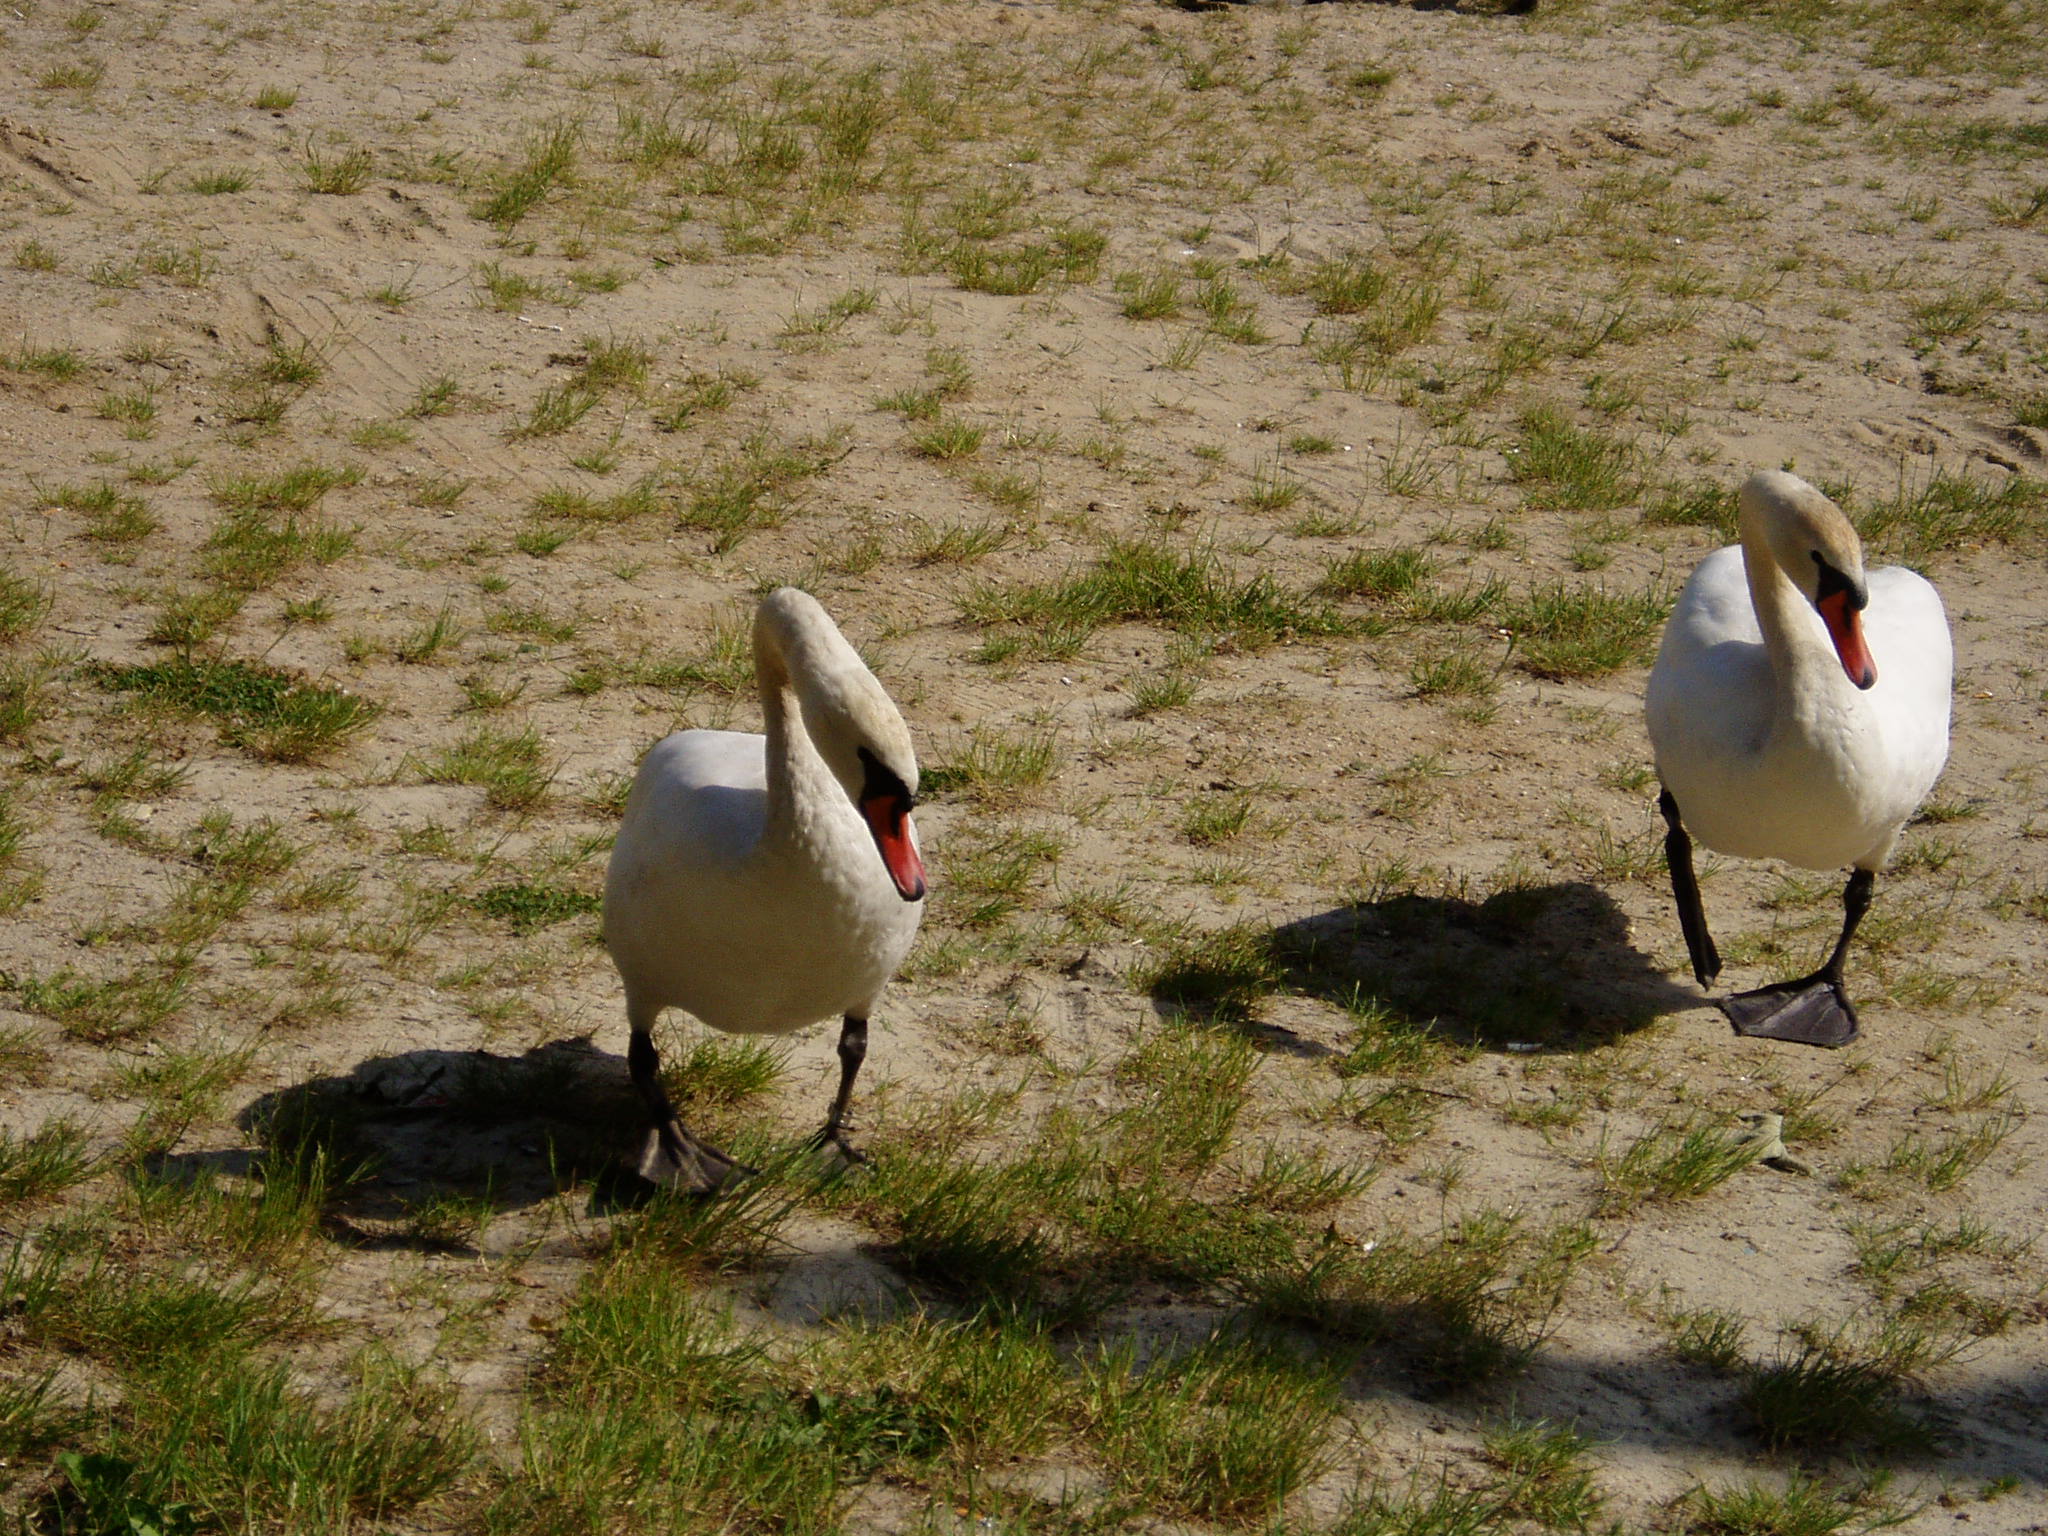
(1811,1011)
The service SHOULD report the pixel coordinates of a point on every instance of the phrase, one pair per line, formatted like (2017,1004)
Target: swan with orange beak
(763,883)
(1799,710)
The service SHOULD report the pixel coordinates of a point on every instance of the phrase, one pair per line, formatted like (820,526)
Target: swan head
(1813,542)
(851,721)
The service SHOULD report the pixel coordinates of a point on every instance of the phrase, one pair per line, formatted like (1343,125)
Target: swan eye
(884,782)
(1832,581)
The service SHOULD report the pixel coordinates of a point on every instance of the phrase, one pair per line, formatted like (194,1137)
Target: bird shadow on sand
(424,1149)
(1546,968)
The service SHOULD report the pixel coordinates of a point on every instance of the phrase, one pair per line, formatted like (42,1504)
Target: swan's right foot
(1811,1011)
(674,1159)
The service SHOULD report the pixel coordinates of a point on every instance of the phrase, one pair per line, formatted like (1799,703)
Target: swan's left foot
(1811,1011)
(832,1141)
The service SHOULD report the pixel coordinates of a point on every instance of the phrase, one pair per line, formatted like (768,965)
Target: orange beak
(888,819)
(1845,628)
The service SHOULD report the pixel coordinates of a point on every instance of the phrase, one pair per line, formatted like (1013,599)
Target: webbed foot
(674,1159)
(1810,1011)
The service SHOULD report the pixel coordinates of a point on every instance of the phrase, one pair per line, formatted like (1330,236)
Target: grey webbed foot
(1811,1011)
(832,1141)
(674,1159)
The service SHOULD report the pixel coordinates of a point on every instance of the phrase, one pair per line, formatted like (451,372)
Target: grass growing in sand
(1259,446)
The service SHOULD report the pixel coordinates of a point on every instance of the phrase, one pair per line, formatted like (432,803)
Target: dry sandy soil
(583,323)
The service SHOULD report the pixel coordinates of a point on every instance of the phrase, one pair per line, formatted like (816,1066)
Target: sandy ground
(1735,234)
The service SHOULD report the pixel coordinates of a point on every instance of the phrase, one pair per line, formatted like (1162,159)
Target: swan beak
(888,819)
(1845,628)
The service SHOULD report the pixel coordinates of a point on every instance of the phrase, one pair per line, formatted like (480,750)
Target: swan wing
(1908,635)
(1709,694)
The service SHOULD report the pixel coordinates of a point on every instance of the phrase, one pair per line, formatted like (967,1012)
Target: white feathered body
(1784,757)
(752,931)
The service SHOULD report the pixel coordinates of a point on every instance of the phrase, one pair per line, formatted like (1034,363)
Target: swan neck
(798,777)
(1800,656)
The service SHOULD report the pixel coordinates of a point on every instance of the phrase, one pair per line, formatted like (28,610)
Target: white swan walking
(1783,731)
(764,883)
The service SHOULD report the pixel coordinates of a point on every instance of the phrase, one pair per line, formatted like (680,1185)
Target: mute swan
(1782,731)
(766,882)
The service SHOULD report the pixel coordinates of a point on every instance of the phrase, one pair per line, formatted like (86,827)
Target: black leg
(1685,890)
(671,1155)
(1855,902)
(1814,1010)
(853,1050)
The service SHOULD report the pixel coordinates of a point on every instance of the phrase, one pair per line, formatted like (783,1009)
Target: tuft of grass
(1953,511)
(1804,1506)
(266,710)
(1573,468)
(997,766)
(1576,632)
(754,486)
(342,174)
(1225,1431)
(947,438)
(1835,1394)
(1544,1479)
(23,605)
(548,158)
(1219,975)
(44,1163)
(527,906)
(1671,1162)
(509,766)
(1147,580)
(1378,574)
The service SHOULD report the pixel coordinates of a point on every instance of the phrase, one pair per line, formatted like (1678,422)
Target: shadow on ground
(1548,968)
(411,1140)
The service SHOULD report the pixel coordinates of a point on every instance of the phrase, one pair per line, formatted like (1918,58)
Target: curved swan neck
(803,791)
(1800,659)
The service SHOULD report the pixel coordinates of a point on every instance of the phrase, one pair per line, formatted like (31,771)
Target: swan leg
(1685,890)
(853,1050)
(671,1156)
(1814,1010)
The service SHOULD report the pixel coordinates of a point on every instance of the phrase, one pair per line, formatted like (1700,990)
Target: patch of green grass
(44,1163)
(556,410)
(527,906)
(510,766)
(1671,1162)
(754,486)
(947,438)
(1576,632)
(1804,1506)
(1466,1305)
(1146,580)
(1831,1395)
(548,158)
(1953,511)
(1695,503)
(1378,574)
(1219,975)
(1573,468)
(997,765)
(1221,1432)
(719,1072)
(1544,1477)
(342,173)
(266,710)
(23,605)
